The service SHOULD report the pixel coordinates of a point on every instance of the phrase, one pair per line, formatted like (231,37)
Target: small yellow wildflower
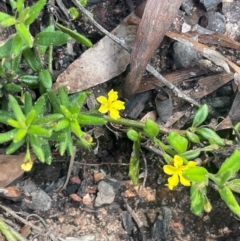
(111,105)
(27,166)
(176,171)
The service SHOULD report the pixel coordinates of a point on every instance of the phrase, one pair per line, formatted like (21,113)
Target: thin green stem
(125,122)
(50,50)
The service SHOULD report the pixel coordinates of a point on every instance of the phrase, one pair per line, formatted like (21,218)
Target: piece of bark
(215,39)
(209,84)
(156,19)
(205,51)
(174,77)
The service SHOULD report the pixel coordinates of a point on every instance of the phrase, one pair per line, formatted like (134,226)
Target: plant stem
(50,50)
(125,122)
(4,229)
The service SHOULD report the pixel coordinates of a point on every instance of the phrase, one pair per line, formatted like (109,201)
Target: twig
(12,213)
(137,220)
(177,91)
(69,169)
(103,163)
(145,173)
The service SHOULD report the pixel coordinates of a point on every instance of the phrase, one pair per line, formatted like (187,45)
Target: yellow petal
(178,161)
(191,164)
(27,166)
(168,169)
(112,95)
(114,113)
(102,100)
(184,181)
(118,104)
(173,181)
(103,109)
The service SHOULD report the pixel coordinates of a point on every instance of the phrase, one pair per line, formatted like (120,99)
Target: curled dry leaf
(102,62)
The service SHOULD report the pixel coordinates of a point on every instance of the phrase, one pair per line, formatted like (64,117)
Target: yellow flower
(111,105)
(176,171)
(27,166)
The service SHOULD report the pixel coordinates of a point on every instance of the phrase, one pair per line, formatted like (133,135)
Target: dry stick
(137,220)
(177,91)
(12,213)
(69,168)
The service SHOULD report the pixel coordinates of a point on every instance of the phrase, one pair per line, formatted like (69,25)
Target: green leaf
(15,62)
(196,174)
(73,12)
(77,103)
(133,135)
(16,109)
(228,197)
(134,163)
(32,61)
(47,152)
(39,131)
(232,163)
(6,20)
(151,129)
(15,146)
(21,133)
(76,128)
(13,4)
(39,107)
(5,116)
(20,5)
(45,78)
(42,49)
(192,137)
(225,177)
(23,31)
(37,148)
(27,102)
(6,49)
(200,115)
(17,45)
(63,144)
(15,124)
(66,112)
(234,185)
(197,199)
(48,119)
(35,9)
(7,136)
(62,124)
(178,142)
(24,15)
(13,88)
(30,117)
(83,2)
(70,145)
(209,135)
(63,96)
(54,101)
(30,80)
(91,119)
(77,36)
(55,38)
(190,155)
